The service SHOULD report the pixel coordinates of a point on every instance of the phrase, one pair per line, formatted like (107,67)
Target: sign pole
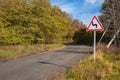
(95,25)
(94,46)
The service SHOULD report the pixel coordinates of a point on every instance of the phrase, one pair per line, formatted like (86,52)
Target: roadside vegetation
(106,67)
(83,37)
(10,52)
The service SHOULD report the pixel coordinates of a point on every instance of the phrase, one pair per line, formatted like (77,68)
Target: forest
(37,21)
(34,21)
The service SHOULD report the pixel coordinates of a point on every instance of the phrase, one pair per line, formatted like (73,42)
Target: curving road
(43,65)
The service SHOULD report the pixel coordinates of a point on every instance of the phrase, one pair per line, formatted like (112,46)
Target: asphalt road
(43,65)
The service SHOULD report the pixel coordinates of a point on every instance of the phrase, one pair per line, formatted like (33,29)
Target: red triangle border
(102,28)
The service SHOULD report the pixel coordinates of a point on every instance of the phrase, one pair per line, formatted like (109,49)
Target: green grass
(7,52)
(107,67)
(112,57)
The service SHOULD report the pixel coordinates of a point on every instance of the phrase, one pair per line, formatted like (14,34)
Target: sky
(83,10)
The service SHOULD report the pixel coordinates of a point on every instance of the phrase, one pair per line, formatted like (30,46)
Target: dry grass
(107,66)
(111,50)
(103,69)
(10,52)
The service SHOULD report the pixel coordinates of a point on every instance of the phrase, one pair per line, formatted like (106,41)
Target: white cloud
(67,7)
(90,1)
(58,2)
(98,2)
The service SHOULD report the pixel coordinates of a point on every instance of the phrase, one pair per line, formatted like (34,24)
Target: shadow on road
(75,49)
(75,52)
(53,64)
(74,44)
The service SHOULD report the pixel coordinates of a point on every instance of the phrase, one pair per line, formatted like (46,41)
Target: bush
(83,37)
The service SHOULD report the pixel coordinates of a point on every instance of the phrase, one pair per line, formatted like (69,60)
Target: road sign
(95,25)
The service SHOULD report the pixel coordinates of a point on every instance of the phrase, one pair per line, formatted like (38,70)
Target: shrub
(83,37)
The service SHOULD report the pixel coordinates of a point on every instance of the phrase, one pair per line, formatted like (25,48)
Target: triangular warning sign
(95,25)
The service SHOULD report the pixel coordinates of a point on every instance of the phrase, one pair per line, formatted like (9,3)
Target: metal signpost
(95,25)
(94,46)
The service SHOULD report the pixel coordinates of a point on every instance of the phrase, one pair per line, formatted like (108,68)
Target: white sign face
(95,25)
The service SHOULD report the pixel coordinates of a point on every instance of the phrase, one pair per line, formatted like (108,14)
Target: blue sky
(83,10)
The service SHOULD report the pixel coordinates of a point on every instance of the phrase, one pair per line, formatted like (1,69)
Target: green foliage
(111,57)
(83,37)
(34,21)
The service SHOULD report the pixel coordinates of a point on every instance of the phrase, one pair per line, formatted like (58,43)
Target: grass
(9,52)
(106,67)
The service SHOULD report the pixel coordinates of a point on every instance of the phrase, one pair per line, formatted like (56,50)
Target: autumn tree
(32,21)
(75,26)
(111,20)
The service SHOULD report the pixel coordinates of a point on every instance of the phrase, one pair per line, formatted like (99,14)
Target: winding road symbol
(94,24)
